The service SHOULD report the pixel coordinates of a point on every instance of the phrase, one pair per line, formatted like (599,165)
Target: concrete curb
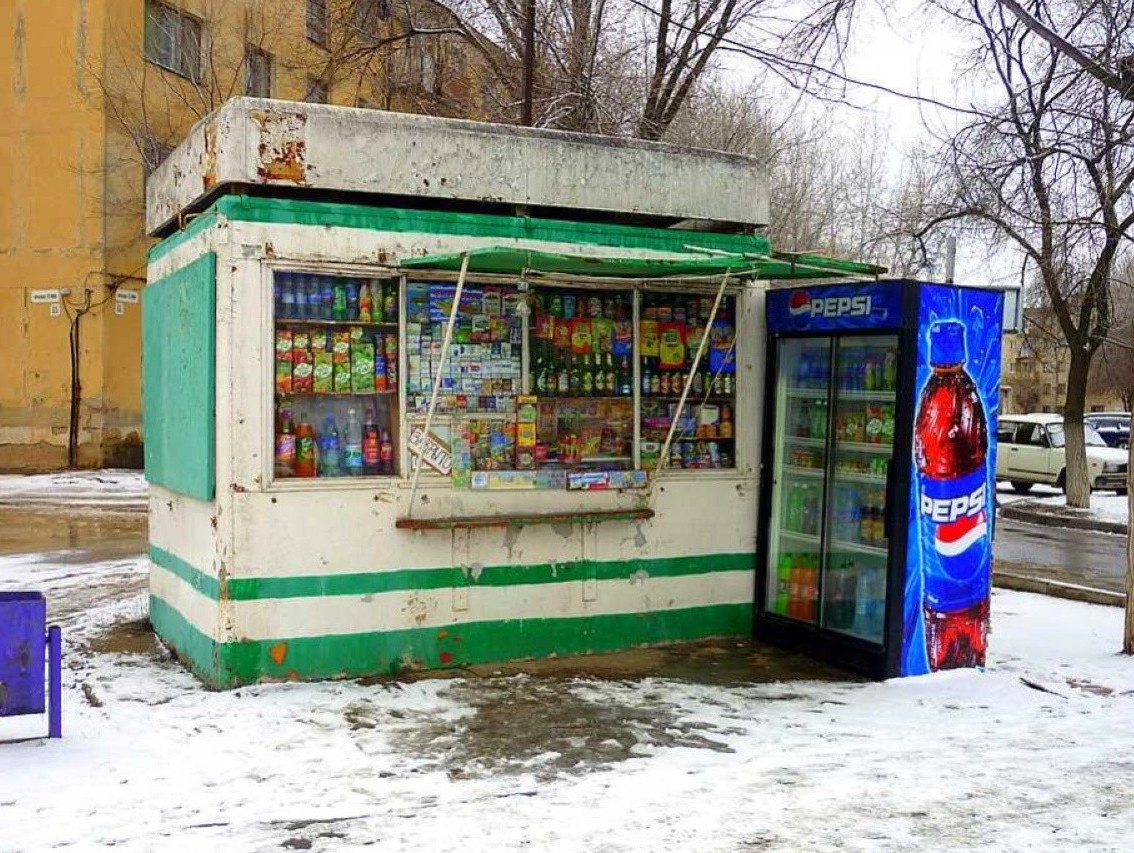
(1058,589)
(1043,514)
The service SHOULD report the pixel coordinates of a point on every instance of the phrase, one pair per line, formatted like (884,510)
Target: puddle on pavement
(543,723)
(75,536)
(127,638)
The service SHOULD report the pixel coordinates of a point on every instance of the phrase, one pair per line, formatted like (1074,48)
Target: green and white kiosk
(422,393)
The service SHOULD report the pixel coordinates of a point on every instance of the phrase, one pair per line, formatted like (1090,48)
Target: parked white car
(1031,450)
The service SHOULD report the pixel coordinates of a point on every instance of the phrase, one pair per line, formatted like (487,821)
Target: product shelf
(308,321)
(797,471)
(865,396)
(802,537)
(855,477)
(863,447)
(858,548)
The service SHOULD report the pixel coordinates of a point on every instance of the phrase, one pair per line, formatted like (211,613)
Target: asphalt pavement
(1084,557)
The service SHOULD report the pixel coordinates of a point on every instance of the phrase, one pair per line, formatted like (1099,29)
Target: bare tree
(1048,168)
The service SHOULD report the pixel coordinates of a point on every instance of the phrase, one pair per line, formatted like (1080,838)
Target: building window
(257,72)
(367,14)
(316,91)
(317,22)
(173,40)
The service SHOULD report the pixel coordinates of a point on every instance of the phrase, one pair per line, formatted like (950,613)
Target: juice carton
(362,368)
(324,381)
(283,361)
(303,368)
(390,344)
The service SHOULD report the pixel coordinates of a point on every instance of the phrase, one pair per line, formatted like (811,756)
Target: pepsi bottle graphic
(951,448)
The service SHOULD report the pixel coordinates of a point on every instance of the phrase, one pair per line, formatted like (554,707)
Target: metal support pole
(664,460)
(529,63)
(440,371)
(55,682)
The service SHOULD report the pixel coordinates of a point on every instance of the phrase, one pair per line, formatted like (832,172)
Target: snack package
(649,337)
(581,336)
(671,346)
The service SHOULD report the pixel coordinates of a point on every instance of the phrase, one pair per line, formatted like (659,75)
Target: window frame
(406,419)
(251,52)
(321,84)
(175,62)
(318,23)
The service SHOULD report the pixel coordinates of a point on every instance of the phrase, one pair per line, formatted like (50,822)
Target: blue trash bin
(24,641)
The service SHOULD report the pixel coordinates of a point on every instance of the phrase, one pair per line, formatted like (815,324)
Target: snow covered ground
(1105,506)
(1034,754)
(106,489)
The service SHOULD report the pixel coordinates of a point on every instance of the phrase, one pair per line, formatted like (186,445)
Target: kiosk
(423,393)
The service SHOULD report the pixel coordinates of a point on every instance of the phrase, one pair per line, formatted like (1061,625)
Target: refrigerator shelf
(799,471)
(858,548)
(867,396)
(865,634)
(862,447)
(808,442)
(819,394)
(855,477)
(802,537)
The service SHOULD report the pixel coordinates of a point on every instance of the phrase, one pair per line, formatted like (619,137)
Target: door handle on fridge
(888,508)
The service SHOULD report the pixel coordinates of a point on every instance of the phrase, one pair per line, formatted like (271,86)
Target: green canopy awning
(513,260)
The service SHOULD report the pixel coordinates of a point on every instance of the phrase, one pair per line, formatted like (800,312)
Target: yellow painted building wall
(82,108)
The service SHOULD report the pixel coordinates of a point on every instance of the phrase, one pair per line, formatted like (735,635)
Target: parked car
(1031,450)
(1114,427)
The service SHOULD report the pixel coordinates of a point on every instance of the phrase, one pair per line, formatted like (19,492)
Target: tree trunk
(1076,481)
(1128,629)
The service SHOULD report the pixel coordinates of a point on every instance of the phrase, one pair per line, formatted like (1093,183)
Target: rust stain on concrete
(282,149)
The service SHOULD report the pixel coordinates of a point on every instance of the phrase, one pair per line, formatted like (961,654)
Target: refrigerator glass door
(799,478)
(855,563)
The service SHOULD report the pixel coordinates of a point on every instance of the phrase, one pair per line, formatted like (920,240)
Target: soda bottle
(326,298)
(365,303)
(390,304)
(352,445)
(386,454)
(950,446)
(300,297)
(330,448)
(352,299)
(371,444)
(783,583)
(314,299)
(285,446)
(339,306)
(304,448)
(890,370)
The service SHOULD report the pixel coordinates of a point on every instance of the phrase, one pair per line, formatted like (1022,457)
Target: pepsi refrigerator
(875,547)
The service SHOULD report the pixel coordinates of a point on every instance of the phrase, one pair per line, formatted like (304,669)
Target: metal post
(664,460)
(529,63)
(440,370)
(950,257)
(55,682)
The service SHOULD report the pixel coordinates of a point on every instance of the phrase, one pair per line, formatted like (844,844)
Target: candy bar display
(336,374)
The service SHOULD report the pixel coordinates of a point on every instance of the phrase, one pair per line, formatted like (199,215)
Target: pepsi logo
(957,537)
(799,303)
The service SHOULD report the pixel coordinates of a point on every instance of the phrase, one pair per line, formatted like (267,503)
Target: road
(1083,557)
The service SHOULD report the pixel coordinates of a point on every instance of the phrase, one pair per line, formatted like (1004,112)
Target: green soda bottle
(783,583)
